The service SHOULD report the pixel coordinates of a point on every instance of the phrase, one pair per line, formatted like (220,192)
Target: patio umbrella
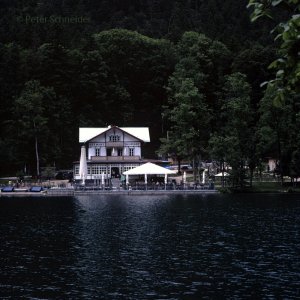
(184,177)
(83,165)
(127,179)
(150,169)
(166,181)
(203,176)
(102,178)
(222,174)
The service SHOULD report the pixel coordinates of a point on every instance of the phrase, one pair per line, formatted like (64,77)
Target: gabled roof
(149,169)
(88,133)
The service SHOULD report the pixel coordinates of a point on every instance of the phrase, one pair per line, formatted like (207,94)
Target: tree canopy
(190,70)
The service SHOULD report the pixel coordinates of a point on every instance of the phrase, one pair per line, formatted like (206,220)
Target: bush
(224,190)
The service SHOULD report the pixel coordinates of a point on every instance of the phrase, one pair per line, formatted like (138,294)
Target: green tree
(30,115)
(139,67)
(206,62)
(232,143)
(218,149)
(277,130)
(40,125)
(287,65)
(192,95)
(258,58)
(189,122)
(10,78)
(280,106)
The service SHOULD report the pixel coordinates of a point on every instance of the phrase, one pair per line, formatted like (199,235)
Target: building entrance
(115,172)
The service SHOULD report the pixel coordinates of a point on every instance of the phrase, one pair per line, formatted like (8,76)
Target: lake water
(150,247)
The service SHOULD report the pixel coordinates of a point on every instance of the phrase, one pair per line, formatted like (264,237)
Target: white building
(111,150)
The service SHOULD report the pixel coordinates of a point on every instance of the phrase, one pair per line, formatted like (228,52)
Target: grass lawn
(273,187)
(269,187)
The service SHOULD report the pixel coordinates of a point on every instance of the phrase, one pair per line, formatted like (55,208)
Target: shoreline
(72,193)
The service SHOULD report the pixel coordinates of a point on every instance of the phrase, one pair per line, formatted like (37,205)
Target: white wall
(91,152)
(128,140)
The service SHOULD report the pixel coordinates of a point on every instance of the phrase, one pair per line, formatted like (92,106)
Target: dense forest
(191,70)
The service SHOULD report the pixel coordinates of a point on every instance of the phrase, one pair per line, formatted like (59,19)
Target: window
(98,170)
(76,170)
(129,167)
(114,138)
(131,151)
(94,170)
(120,152)
(97,152)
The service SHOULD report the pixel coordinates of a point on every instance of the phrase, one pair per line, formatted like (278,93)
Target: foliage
(145,68)
(189,119)
(258,59)
(231,142)
(287,65)
(191,96)
(279,118)
(164,67)
(37,112)
(226,20)
(278,130)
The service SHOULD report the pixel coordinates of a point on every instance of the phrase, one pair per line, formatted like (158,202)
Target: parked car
(186,167)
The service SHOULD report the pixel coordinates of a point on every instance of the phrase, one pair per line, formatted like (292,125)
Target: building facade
(111,150)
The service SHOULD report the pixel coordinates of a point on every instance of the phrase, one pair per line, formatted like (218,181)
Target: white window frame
(97,151)
(131,151)
(76,170)
(114,138)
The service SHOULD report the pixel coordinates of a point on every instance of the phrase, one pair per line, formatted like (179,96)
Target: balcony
(115,158)
(114,145)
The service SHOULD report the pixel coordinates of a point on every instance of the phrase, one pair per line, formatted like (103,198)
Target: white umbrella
(83,165)
(222,174)
(166,181)
(127,179)
(102,178)
(149,168)
(203,176)
(184,177)
(145,178)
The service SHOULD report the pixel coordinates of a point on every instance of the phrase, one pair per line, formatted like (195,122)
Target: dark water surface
(148,247)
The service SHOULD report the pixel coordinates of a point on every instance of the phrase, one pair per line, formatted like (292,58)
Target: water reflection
(36,239)
(143,247)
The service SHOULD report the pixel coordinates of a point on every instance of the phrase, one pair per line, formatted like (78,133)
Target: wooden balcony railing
(115,158)
(114,145)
